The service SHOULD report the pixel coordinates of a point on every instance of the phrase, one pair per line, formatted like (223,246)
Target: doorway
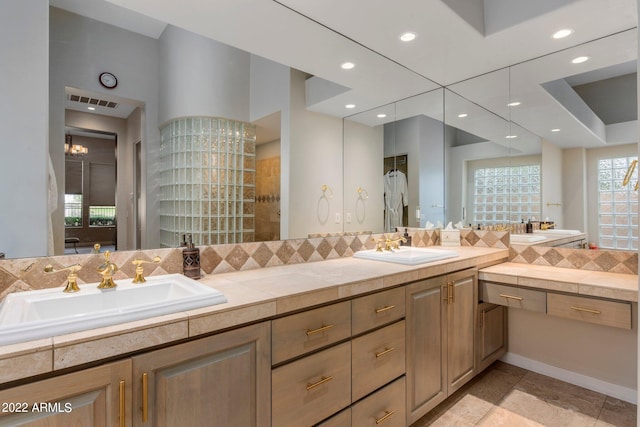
(90,190)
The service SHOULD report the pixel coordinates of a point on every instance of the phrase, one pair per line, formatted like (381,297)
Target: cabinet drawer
(304,332)
(310,389)
(377,358)
(592,310)
(511,296)
(343,419)
(378,309)
(386,407)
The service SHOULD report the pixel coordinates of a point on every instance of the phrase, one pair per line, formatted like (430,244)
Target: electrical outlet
(347,217)
(338,219)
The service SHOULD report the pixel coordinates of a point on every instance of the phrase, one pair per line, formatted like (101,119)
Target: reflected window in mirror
(73,210)
(504,190)
(617,203)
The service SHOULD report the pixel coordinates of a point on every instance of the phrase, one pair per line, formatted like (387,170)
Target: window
(102,216)
(73,210)
(506,194)
(617,205)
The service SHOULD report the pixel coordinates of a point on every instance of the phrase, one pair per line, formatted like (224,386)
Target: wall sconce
(72,149)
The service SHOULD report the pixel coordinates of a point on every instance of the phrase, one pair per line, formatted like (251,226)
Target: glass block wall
(208,181)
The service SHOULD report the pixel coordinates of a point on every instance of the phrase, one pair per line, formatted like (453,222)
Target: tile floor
(505,395)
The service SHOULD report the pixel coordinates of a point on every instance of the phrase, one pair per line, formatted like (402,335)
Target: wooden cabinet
(593,310)
(223,380)
(441,319)
(385,407)
(310,330)
(98,396)
(511,296)
(313,388)
(377,358)
(491,342)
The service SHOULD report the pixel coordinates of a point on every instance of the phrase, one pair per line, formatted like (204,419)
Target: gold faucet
(389,243)
(140,270)
(545,226)
(72,279)
(107,269)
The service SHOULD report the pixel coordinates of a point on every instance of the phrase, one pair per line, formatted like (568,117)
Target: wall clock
(108,80)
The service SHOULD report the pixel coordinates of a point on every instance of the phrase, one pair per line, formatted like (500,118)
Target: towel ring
(326,188)
(360,191)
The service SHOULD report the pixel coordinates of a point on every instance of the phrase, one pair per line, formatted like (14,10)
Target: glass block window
(102,216)
(617,204)
(73,210)
(506,194)
(208,181)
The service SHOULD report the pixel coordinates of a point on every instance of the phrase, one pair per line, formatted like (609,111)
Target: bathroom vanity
(333,343)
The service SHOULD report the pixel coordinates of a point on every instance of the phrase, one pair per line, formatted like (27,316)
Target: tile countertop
(253,295)
(582,282)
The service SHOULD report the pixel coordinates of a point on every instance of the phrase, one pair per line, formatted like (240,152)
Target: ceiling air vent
(93,101)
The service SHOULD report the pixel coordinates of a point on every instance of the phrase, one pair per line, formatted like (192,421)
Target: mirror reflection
(311,173)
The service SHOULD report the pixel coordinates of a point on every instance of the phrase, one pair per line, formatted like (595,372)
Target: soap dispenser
(191,259)
(407,238)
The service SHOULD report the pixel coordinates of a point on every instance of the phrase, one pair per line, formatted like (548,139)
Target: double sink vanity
(341,342)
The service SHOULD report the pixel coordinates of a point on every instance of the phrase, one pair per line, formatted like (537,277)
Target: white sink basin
(407,255)
(526,238)
(558,231)
(45,313)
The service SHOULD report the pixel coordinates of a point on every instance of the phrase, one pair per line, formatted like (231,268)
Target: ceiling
(456,41)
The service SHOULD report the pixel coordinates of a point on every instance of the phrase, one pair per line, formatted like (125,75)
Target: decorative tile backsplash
(625,262)
(28,273)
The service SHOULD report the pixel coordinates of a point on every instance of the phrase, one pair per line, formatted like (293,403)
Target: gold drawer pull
(386,415)
(323,380)
(385,351)
(145,397)
(586,310)
(385,308)
(121,412)
(511,297)
(320,329)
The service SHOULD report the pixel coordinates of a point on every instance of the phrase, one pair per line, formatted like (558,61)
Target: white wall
(363,167)
(551,189)
(574,189)
(602,353)
(202,77)
(315,151)
(24,79)
(80,50)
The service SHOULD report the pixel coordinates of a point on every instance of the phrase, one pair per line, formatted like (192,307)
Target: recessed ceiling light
(407,37)
(350,106)
(91,108)
(560,34)
(513,104)
(462,115)
(555,130)
(511,136)
(580,59)
(381,116)
(348,65)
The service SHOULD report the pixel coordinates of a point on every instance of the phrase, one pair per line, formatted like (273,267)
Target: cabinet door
(426,352)
(461,321)
(221,380)
(491,334)
(98,396)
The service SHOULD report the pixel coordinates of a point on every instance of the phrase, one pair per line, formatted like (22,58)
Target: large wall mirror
(327,140)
